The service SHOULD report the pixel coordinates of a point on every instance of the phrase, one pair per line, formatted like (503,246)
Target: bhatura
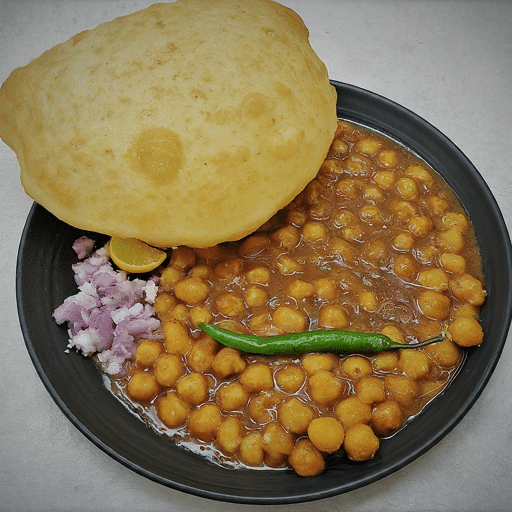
(188,123)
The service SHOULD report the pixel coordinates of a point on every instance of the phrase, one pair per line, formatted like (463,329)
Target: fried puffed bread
(187,123)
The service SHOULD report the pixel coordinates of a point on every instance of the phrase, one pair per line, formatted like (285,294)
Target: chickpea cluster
(376,243)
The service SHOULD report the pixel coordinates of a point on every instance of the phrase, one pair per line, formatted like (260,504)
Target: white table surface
(448,61)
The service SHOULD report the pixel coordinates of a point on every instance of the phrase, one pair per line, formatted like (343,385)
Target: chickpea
(345,218)
(208,253)
(255,297)
(314,232)
(360,443)
(170,276)
(358,165)
(373,194)
(403,210)
(277,443)
(435,278)
(288,265)
(330,168)
(297,218)
(230,434)
(376,252)
(356,233)
(368,301)
(444,353)
(456,221)
(325,288)
(434,304)
(385,362)
(324,387)
(348,188)
(228,362)
(437,205)
(326,434)
(403,242)
(354,367)
(204,422)
(261,324)
(407,188)
(168,369)
(172,410)
(178,313)
(414,363)
(369,390)
(419,225)
(253,245)
(300,289)
(192,290)
(261,406)
(200,314)
(468,289)
(331,316)
(232,396)
(352,411)
(250,450)
(466,331)
(257,377)
(202,271)
(343,249)
(176,337)
(425,254)
(387,418)
(183,258)
(372,215)
(142,387)
(229,304)
(387,158)
(290,378)
(316,362)
(467,310)
(368,147)
(402,389)
(451,240)
(347,131)
(287,237)
(193,388)
(421,174)
(384,179)
(164,302)
(202,354)
(258,275)
(147,351)
(295,416)
(313,192)
(289,320)
(393,333)
(405,267)
(454,263)
(305,459)
(228,269)
(338,148)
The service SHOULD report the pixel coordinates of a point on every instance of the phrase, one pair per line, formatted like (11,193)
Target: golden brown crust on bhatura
(188,123)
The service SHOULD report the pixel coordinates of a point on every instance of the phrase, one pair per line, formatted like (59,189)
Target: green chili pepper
(311,341)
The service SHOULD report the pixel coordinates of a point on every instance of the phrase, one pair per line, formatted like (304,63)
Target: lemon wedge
(135,256)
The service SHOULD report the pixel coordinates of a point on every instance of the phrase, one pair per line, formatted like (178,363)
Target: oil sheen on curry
(377,242)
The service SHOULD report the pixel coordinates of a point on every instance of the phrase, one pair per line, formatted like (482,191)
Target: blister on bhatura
(189,123)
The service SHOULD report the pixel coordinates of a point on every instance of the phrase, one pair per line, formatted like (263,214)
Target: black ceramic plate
(44,278)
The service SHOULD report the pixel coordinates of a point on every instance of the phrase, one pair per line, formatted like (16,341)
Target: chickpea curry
(376,243)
